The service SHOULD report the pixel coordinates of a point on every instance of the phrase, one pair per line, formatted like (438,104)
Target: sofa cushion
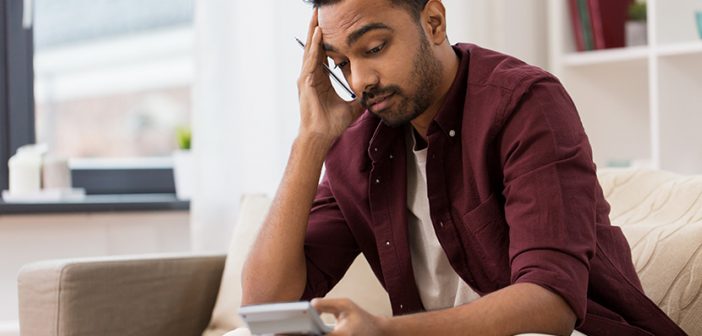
(660,213)
(224,315)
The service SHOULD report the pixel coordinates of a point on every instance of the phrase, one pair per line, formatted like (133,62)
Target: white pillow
(252,212)
(660,214)
(359,283)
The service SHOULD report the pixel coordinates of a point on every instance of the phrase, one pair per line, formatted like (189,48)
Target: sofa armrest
(142,295)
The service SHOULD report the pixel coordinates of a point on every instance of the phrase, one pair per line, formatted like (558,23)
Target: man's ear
(433,19)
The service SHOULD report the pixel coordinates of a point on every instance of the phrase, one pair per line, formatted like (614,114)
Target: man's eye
(376,49)
(341,65)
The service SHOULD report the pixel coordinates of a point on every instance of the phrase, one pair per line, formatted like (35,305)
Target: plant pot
(183,174)
(636,33)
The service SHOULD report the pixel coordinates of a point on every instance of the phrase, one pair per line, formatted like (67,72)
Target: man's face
(384,55)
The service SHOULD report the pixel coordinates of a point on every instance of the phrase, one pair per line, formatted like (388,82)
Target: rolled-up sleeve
(549,189)
(330,247)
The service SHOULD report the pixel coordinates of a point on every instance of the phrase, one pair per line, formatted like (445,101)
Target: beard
(425,79)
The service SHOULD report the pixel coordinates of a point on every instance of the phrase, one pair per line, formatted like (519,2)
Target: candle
(56,173)
(25,173)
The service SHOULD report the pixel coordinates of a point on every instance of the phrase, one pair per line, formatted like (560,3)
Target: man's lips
(380,103)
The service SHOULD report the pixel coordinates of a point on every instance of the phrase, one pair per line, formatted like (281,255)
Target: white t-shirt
(439,285)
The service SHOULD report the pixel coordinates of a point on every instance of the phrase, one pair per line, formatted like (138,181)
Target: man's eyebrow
(328,47)
(356,35)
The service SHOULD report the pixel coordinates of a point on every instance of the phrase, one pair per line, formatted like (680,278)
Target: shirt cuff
(558,272)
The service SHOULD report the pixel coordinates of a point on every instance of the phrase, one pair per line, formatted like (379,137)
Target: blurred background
(120,87)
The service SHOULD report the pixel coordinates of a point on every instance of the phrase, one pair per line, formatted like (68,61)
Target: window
(111,87)
(16,104)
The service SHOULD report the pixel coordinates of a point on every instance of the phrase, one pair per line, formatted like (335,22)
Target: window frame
(17,116)
(16,84)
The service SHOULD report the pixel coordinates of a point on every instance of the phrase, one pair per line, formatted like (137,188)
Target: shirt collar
(448,119)
(451,112)
(383,140)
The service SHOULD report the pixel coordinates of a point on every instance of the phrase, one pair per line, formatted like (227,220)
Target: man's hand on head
(322,112)
(350,318)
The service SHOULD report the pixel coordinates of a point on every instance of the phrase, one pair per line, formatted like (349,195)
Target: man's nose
(363,79)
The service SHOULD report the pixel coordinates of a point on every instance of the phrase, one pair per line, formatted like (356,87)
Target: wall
(518,28)
(28,238)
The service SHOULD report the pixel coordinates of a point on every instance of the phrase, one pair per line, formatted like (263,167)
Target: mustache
(378,92)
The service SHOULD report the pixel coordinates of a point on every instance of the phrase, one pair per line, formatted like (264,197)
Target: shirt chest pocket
(483,216)
(486,233)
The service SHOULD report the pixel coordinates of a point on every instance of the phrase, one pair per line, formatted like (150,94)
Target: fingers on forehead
(313,24)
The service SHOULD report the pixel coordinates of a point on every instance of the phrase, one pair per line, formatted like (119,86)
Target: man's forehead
(340,19)
(347,11)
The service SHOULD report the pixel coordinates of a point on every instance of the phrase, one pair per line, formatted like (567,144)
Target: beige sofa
(660,213)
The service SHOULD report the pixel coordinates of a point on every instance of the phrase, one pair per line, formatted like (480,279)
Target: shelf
(100,203)
(641,53)
(648,93)
(680,49)
(606,56)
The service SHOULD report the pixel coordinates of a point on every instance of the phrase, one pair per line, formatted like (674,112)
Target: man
(463,175)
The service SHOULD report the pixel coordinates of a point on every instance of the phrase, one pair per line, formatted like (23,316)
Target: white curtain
(245,112)
(515,27)
(245,96)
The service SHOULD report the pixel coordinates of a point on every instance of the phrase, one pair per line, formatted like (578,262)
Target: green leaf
(637,11)
(184,136)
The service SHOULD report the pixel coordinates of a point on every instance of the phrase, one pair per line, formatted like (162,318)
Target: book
(596,18)
(586,24)
(611,17)
(577,28)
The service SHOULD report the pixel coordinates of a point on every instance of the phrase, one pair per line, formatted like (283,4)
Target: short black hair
(414,6)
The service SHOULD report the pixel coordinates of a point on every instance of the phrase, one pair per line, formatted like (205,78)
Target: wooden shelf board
(606,56)
(680,49)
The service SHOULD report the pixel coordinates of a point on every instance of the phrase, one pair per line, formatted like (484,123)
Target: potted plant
(183,165)
(636,27)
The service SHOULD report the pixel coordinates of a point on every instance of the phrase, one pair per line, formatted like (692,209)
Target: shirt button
(441,224)
(375,149)
(377,181)
(452,133)
(391,157)
(401,306)
(387,243)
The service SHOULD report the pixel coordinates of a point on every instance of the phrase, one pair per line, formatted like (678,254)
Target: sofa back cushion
(660,214)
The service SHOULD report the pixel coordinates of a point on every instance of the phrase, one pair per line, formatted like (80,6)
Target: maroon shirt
(513,196)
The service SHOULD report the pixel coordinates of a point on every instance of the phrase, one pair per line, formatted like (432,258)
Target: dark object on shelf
(613,15)
(599,24)
(577,25)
